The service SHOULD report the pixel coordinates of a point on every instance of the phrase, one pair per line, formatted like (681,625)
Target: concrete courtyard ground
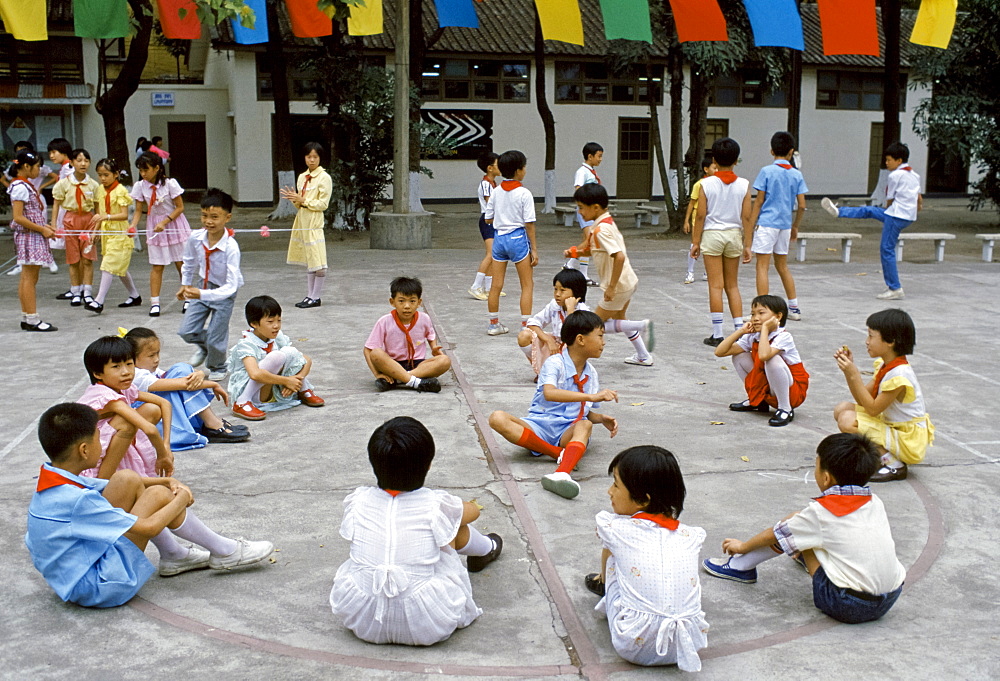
(288,482)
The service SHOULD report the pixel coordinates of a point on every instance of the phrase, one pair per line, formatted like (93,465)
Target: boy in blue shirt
(777,212)
(87,536)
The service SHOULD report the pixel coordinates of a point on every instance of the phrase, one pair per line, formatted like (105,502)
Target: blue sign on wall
(163,99)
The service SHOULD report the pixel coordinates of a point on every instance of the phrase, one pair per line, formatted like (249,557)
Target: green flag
(626,19)
(100,18)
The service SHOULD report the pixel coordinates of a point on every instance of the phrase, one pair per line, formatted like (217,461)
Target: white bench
(567,214)
(654,212)
(988,240)
(846,238)
(937,237)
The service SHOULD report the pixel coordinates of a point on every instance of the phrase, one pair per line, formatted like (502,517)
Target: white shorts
(771,240)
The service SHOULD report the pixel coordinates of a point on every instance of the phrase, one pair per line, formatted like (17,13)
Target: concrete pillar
(400,231)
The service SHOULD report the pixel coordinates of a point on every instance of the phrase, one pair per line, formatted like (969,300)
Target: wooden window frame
(607,81)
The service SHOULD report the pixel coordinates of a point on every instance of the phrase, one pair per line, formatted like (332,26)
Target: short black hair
(510,162)
(140,335)
(408,286)
(851,458)
(76,152)
(651,473)
(111,166)
(64,425)
(591,148)
(216,198)
(24,144)
(310,147)
(726,151)
(591,194)
(24,159)
(898,150)
(707,161)
(487,159)
(775,304)
(400,452)
(62,145)
(896,327)
(782,143)
(573,280)
(155,141)
(259,307)
(579,323)
(103,350)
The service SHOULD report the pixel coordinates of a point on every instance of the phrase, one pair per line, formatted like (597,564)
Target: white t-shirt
(483,193)
(903,187)
(554,315)
(510,210)
(724,202)
(780,339)
(144,378)
(585,174)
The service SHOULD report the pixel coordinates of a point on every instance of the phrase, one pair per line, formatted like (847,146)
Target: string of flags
(848,26)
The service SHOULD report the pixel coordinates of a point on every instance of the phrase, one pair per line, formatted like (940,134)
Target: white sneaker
(689,278)
(196,559)
(478,293)
(16,269)
(247,553)
(562,484)
(217,376)
(54,268)
(496,329)
(830,207)
(889,294)
(794,316)
(704,276)
(198,357)
(634,359)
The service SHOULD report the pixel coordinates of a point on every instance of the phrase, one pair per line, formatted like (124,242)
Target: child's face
(312,160)
(405,305)
(876,346)
(710,169)
(117,375)
(149,173)
(561,293)
(494,168)
(622,502)
(267,328)
(591,343)
(892,163)
(215,219)
(58,157)
(590,212)
(760,314)
(595,159)
(81,164)
(105,176)
(148,355)
(520,173)
(30,172)
(91,453)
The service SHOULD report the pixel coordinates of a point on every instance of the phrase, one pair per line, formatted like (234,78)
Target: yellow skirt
(116,248)
(307,245)
(907,441)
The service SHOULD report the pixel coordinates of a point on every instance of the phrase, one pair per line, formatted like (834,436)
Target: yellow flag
(561,20)
(366,19)
(935,23)
(24,19)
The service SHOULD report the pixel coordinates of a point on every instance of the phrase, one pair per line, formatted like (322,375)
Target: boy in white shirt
(481,286)
(903,201)
(593,154)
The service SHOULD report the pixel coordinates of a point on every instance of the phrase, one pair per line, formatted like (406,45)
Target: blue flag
(775,23)
(459,13)
(257,34)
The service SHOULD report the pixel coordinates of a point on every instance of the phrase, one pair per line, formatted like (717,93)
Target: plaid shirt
(784,535)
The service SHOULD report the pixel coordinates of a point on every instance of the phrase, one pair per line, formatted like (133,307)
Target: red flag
(308,21)
(175,28)
(849,27)
(698,20)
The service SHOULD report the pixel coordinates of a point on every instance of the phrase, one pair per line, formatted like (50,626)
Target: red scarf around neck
(510,185)
(886,368)
(660,519)
(410,347)
(786,166)
(487,178)
(107,197)
(843,504)
(48,478)
(594,173)
(727,176)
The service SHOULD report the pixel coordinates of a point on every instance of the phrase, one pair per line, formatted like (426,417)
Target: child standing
(307,245)
(73,205)
(396,349)
(842,538)
(569,293)
(213,256)
(708,169)
(716,234)
(112,202)
(484,281)
(511,211)
(404,581)
(561,416)
(593,154)
(31,236)
(777,212)
(767,362)
(649,564)
(903,202)
(88,536)
(618,280)
(890,410)
(167,230)
(59,153)
(265,372)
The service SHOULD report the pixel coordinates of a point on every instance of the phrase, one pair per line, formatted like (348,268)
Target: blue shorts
(513,246)
(485,229)
(847,605)
(115,578)
(548,428)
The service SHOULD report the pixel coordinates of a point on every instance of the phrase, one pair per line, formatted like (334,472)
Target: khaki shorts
(620,300)
(725,242)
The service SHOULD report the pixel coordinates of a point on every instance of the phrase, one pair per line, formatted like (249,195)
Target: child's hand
(747,257)
(611,423)
(533,258)
(609,293)
(845,360)
(47,231)
(571,304)
(436,350)
(695,251)
(552,344)
(732,546)
(605,395)
(770,325)
(220,394)
(687,227)
(161,225)
(292,383)
(97,219)
(567,253)
(747,327)
(195,380)
(178,488)
(165,462)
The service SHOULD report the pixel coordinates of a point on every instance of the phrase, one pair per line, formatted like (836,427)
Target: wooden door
(635,159)
(188,160)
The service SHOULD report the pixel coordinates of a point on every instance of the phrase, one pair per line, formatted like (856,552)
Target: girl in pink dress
(167,229)
(31,235)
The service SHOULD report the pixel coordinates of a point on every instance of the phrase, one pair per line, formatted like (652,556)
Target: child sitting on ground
(767,361)
(194,424)
(404,582)
(87,536)
(890,410)
(396,349)
(569,291)
(265,372)
(842,538)
(649,564)
(561,416)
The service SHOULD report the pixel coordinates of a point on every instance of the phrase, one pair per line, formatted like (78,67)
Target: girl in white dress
(404,582)
(649,575)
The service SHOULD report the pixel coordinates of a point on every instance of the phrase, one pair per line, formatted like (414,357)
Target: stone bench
(937,237)
(848,201)
(988,240)
(846,238)
(567,214)
(654,212)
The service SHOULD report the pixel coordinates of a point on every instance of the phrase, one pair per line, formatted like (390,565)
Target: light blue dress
(252,346)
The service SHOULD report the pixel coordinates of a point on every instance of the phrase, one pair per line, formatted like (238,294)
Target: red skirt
(758,389)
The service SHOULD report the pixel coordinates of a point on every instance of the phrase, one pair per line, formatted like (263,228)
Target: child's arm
(168,385)
(699,225)
(747,227)
(163,454)
(546,338)
(758,203)
(764,538)
(288,384)
(50,180)
(171,216)
(554,394)
(859,391)
(56,205)
(140,206)
(687,217)
(728,347)
(765,351)
(529,228)
(436,348)
(166,418)
(800,210)
(605,554)
(609,422)
(583,248)
(98,218)
(44,230)
(920,202)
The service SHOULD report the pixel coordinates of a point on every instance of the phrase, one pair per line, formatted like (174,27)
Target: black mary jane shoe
(94,306)
(313,302)
(781,418)
(713,341)
(744,406)
(131,302)
(65,296)
(41,327)
(594,584)
(891,474)
(304,302)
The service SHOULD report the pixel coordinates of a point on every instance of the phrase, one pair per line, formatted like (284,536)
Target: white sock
(480,280)
(573,264)
(793,304)
(625,326)
(493,317)
(889,461)
(102,290)
(717,324)
(310,278)
(168,546)
(526,350)
(273,363)
(88,290)
(584,266)
(197,532)
(133,292)
(488,283)
(413,382)
(33,318)
(748,561)
(737,322)
(478,544)
(779,381)
(691,262)
(155,300)
(640,347)
(76,290)
(319,279)
(524,320)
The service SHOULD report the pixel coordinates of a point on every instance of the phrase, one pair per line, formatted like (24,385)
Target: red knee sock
(529,440)
(571,456)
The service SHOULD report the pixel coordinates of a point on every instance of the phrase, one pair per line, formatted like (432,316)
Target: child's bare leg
(386,367)
(781,267)
(525,273)
(509,427)
(432,366)
(87,271)
(498,270)
(847,417)
(119,444)
(178,266)
(484,265)
(730,276)
(150,412)
(716,281)
(763,280)
(75,278)
(155,280)
(26,288)
(210,419)
(125,490)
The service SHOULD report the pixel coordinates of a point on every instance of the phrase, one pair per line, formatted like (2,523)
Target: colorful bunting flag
(849,27)
(935,23)
(100,19)
(257,34)
(698,20)
(308,21)
(775,23)
(561,20)
(460,13)
(174,27)
(626,20)
(24,19)
(365,19)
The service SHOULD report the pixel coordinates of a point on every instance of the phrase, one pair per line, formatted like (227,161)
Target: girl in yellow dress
(307,245)
(111,215)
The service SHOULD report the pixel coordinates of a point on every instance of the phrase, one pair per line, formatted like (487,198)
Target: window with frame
(715,130)
(594,83)
(56,60)
(854,90)
(301,85)
(475,80)
(746,87)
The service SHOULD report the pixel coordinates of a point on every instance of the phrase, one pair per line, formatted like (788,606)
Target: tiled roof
(49,93)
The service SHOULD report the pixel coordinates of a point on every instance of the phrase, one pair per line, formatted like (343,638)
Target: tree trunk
(676,65)
(890,99)
(698,122)
(282,158)
(657,142)
(795,96)
(548,121)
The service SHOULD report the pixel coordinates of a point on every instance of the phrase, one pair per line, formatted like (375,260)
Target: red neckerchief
(595,228)
(393,492)
(33,191)
(659,519)
(152,200)
(487,178)
(305,184)
(907,168)
(410,348)
(727,176)
(886,368)
(79,196)
(107,197)
(593,172)
(208,262)
(48,478)
(843,504)
(510,185)
(786,166)
(579,386)
(269,347)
